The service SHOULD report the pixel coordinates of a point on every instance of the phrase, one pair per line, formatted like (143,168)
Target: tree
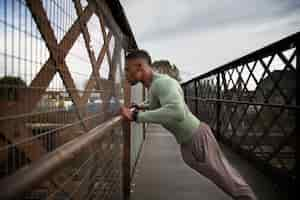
(165,67)
(9,86)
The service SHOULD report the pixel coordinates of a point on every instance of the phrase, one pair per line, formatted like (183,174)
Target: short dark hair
(139,53)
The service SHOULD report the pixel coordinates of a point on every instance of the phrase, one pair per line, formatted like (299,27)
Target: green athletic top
(167,107)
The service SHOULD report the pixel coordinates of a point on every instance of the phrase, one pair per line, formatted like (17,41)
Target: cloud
(154,19)
(201,35)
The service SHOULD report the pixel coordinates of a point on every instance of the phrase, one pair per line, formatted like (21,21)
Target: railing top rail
(280,45)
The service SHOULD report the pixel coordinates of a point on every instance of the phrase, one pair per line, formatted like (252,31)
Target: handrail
(31,175)
(294,107)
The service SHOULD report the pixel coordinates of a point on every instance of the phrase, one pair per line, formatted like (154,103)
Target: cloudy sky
(199,35)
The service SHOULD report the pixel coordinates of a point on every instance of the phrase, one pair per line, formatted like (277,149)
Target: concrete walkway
(161,173)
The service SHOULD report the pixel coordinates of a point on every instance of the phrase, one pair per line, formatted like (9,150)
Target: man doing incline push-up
(199,148)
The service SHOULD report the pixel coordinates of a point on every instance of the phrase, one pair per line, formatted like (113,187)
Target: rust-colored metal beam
(96,64)
(95,76)
(86,36)
(45,164)
(30,176)
(48,70)
(40,17)
(55,50)
(103,9)
(127,146)
(104,35)
(115,60)
(43,78)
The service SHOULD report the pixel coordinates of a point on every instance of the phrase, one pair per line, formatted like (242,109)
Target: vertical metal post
(218,107)
(126,147)
(185,93)
(196,96)
(144,125)
(297,104)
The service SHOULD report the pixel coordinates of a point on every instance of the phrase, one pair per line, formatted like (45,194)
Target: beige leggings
(204,155)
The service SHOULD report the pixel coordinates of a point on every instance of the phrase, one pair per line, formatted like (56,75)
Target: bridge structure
(61,137)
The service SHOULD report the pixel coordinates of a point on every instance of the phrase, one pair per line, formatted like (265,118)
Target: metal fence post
(196,96)
(218,106)
(297,104)
(126,148)
(144,125)
(185,93)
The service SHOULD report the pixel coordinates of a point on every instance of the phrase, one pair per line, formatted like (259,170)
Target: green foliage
(165,67)
(9,86)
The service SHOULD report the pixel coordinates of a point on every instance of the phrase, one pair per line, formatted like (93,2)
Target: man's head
(137,64)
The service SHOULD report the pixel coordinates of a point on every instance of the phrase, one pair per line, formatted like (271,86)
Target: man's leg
(205,156)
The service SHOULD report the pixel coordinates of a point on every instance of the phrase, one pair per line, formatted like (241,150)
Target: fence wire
(56,83)
(252,106)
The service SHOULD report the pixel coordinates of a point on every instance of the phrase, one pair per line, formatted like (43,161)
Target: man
(199,148)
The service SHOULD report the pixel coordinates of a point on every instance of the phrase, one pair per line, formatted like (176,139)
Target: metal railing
(61,67)
(251,104)
(41,169)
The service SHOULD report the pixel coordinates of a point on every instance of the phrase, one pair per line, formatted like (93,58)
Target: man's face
(133,71)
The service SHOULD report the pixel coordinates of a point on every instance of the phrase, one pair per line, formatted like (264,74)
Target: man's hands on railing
(140,106)
(135,106)
(130,114)
(126,113)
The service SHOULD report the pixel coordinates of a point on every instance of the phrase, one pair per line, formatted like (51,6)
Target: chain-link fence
(61,79)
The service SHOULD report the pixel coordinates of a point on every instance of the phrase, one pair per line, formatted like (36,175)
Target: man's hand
(138,106)
(126,113)
(135,106)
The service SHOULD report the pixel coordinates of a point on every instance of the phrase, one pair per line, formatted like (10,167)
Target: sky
(200,35)
(23,51)
(195,35)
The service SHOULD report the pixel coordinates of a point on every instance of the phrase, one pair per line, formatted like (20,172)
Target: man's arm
(171,101)
(144,105)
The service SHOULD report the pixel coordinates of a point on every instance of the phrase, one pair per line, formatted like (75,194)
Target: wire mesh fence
(252,106)
(60,70)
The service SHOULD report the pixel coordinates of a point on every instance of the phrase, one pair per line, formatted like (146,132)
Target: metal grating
(61,67)
(251,104)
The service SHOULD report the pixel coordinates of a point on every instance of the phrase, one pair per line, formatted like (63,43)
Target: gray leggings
(204,155)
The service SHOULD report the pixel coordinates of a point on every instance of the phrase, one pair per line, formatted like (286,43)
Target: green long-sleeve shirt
(167,107)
